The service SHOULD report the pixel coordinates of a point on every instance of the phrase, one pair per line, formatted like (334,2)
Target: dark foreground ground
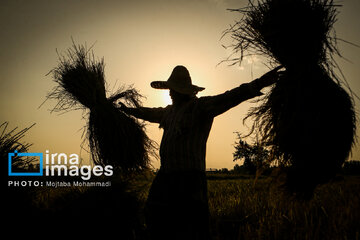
(240,207)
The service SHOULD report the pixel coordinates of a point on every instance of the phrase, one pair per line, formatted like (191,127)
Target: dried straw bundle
(307,119)
(114,137)
(309,123)
(290,32)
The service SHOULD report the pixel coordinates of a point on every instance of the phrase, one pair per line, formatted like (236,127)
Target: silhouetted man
(177,206)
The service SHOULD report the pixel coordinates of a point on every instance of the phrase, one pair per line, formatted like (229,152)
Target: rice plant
(114,137)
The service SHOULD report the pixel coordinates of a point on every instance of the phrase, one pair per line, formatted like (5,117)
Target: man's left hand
(269,78)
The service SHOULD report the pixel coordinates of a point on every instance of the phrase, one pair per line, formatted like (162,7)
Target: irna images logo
(57,164)
(16,173)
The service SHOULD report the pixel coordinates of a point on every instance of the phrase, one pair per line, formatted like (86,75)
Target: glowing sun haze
(141,41)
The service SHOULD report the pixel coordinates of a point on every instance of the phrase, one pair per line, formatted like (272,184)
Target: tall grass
(240,210)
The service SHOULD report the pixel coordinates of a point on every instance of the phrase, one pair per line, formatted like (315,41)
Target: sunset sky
(141,41)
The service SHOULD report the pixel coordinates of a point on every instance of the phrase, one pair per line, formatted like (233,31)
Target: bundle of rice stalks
(114,137)
(289,32)
(307,119)
(309,123)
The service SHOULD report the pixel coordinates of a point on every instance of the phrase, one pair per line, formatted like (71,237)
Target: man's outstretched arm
(216,105)
(153,115)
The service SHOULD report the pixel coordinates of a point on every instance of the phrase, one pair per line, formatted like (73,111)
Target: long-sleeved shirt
(187,126)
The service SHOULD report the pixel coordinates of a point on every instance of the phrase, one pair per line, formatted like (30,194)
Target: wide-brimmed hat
(179,81)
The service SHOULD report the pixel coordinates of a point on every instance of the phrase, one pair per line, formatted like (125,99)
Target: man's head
(179,84)
(178,98)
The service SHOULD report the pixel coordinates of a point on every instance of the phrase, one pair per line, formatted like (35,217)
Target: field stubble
(245,209)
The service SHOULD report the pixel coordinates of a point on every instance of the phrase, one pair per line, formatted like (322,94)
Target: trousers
(177,206)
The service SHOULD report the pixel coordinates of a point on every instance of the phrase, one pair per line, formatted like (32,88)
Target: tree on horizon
(254,155)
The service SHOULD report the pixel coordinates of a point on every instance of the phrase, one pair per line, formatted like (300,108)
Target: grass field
(241,209)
